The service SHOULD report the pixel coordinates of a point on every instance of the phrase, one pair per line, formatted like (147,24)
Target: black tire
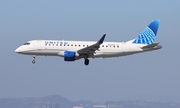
(86,61)
(33,62)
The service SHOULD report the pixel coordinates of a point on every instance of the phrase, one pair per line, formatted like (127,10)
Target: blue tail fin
(148,36)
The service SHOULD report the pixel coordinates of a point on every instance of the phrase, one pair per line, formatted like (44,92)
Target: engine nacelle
(69,55)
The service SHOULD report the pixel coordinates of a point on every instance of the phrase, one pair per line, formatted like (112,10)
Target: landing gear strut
(86,61)
(34,61)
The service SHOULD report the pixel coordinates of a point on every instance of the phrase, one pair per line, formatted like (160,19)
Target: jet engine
(68,55)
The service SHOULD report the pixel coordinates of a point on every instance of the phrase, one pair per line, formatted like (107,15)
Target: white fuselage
(74,50)
(55,47)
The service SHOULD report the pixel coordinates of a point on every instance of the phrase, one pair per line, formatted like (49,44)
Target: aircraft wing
(92,48)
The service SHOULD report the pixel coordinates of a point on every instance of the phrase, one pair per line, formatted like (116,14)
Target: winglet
(102,39)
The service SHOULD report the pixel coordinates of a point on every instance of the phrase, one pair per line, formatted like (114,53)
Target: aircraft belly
(108,54)
(42,52)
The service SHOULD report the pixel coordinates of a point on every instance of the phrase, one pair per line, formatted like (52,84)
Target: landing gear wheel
(33,61)
(86,61)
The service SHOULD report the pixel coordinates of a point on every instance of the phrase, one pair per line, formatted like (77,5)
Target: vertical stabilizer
(148,36)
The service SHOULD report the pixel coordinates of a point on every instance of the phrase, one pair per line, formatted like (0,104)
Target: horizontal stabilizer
(150,45)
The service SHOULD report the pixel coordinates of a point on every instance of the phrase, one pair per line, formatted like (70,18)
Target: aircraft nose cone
(17,50)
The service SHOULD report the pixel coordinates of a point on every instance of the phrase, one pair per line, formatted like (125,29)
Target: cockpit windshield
(27,43)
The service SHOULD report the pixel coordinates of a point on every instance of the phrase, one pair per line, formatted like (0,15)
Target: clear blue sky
(152,76)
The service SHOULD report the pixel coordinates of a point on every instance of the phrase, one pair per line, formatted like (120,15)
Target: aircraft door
(39,44)
(123,47)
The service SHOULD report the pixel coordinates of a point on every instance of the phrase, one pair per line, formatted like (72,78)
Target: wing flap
(92,48)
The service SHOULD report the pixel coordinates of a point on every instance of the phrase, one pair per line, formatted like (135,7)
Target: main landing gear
(34,61)
(86,61)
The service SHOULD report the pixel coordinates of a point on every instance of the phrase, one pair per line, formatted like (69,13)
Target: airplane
(75,50)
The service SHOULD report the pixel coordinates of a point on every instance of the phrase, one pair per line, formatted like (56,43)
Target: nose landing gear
(34,61)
